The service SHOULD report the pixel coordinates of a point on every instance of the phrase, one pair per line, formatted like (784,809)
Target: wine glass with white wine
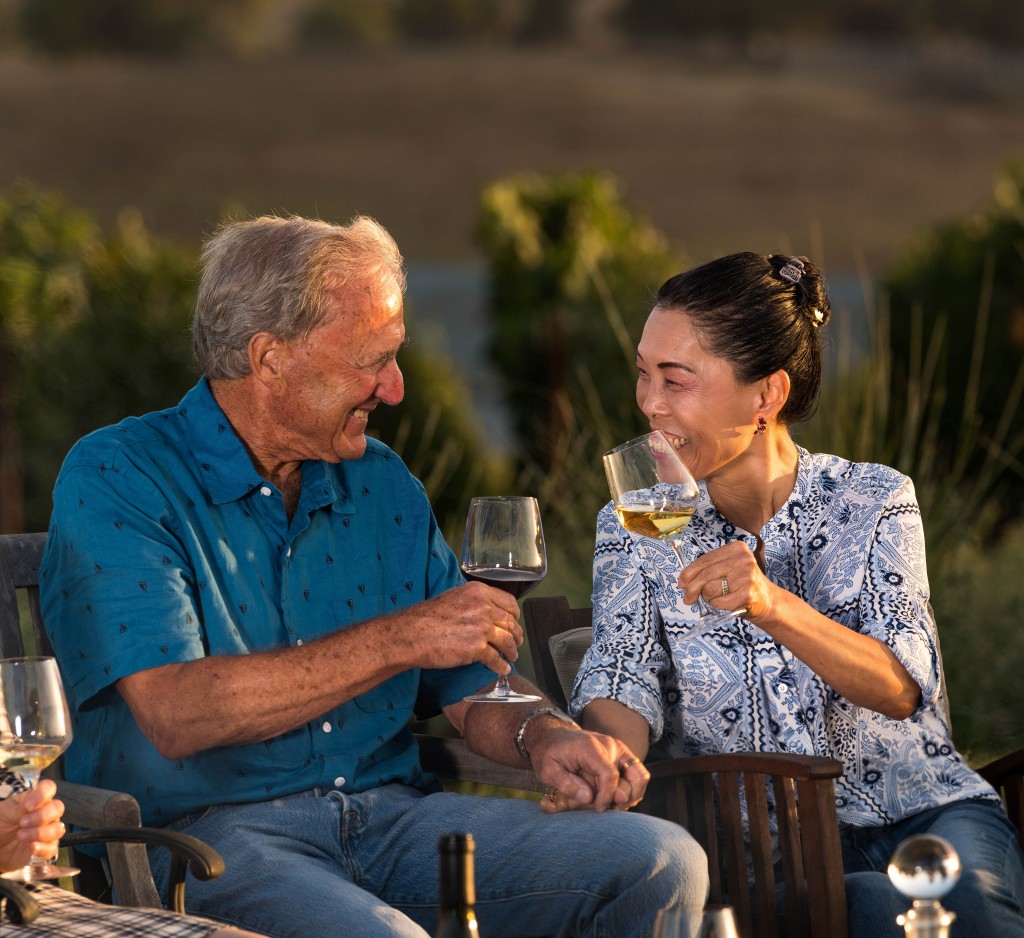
(35,728)
(504,547)
(655,496)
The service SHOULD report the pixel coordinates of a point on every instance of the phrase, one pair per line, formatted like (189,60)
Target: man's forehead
(367,304)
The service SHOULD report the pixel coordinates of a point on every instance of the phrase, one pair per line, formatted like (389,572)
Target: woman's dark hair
(759,314)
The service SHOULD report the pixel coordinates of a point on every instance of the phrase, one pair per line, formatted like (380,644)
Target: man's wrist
(520,737)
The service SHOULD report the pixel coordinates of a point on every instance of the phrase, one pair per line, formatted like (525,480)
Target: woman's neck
(750,490)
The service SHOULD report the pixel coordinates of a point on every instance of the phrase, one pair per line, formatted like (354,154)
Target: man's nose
(391,387)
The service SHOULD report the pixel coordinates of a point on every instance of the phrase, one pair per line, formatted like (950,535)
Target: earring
(762,425)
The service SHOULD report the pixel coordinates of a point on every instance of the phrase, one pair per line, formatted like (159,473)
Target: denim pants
(324,863)
(988,899)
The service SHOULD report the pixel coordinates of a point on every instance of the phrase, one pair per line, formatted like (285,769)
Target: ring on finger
(550,794)
(625,765)
(725,586)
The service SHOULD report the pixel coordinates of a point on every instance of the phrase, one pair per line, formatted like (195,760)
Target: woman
(836,654)
(30,822)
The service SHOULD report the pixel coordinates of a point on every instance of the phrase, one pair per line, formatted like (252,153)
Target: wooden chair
(99,815)
(114,818)
(706,795)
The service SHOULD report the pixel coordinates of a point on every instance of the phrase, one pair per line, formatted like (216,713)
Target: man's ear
(267,354)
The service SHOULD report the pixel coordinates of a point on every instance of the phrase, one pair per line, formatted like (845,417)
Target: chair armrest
(788,765)
(188,854)
(1010,765)
(85,806)
(453,760)
(21,906)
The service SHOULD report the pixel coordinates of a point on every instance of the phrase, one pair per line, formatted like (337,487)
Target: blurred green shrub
(135,26)
(571,275)
(961,288)
(978,610)
(43,291)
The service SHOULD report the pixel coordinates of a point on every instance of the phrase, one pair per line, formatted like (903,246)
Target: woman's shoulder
(835,475)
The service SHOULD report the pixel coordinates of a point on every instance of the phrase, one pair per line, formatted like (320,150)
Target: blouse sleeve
(894,603)
(626,658)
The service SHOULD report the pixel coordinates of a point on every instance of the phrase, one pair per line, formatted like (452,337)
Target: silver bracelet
(532,715)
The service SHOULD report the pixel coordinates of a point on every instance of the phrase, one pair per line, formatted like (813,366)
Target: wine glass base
(506,697)
(44,871)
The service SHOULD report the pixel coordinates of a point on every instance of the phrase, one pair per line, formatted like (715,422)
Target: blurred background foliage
(248,27)
(94,326)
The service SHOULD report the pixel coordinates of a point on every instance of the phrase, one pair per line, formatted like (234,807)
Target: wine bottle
(457,918)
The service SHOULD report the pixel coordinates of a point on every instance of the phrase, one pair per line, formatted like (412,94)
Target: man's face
(336,376)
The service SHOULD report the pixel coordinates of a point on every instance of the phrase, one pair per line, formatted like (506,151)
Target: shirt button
(326,727)
(298,641)
(266,490)
(339,781)
(288,552)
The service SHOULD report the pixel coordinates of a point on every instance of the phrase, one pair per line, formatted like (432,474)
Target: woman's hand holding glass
(35,728)
(30,823)
(730,579)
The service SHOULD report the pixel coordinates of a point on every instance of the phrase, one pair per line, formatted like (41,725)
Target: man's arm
(188,707)
(592,770)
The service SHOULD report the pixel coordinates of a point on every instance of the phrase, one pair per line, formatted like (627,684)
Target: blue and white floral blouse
(849,541)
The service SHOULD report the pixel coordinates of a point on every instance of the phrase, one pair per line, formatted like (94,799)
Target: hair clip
(819,317)
(792,271)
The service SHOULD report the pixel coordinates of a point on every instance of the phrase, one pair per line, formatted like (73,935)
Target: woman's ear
(774,394)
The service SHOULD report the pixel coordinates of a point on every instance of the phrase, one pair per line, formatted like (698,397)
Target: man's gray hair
(278,275)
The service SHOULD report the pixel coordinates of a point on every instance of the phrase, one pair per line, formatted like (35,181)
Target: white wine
(35,758)
(661,523)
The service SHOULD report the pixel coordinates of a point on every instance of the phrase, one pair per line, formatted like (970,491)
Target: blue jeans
(323,863)
(989,898)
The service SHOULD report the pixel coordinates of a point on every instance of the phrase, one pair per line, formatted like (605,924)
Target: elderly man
(250,599)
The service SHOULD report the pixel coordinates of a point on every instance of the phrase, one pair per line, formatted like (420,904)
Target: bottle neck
(458,890)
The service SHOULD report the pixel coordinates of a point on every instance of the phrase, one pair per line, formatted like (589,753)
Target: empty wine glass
(716,921)
(655,496)
(35,728)
(504,547)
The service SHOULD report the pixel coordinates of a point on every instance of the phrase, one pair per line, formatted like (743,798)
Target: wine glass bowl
(35,728)
(715,921)
(655,496)
(504,547)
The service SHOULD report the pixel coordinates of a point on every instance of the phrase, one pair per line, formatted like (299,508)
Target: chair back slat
(20,555)
(794,883)
(759,831)
(731,833)
(822,852)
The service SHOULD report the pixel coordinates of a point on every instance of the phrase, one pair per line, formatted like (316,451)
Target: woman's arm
(616,719)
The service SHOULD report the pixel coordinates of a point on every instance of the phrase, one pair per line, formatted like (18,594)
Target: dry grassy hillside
(851,149)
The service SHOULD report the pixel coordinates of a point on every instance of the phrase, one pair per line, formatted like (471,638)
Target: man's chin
(350,447)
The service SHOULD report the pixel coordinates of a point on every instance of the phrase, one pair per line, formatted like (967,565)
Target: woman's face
(693,396)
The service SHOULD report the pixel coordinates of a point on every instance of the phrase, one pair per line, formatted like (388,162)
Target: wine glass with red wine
(504,547)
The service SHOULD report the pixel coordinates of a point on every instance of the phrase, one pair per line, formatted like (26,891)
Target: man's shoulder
(148,433)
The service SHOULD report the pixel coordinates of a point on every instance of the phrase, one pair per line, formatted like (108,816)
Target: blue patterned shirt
(849,542)
(167,546)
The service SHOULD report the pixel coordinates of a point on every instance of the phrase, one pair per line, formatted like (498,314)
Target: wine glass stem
(31,778)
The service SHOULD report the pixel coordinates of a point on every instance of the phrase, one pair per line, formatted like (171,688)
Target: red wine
(516,582)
